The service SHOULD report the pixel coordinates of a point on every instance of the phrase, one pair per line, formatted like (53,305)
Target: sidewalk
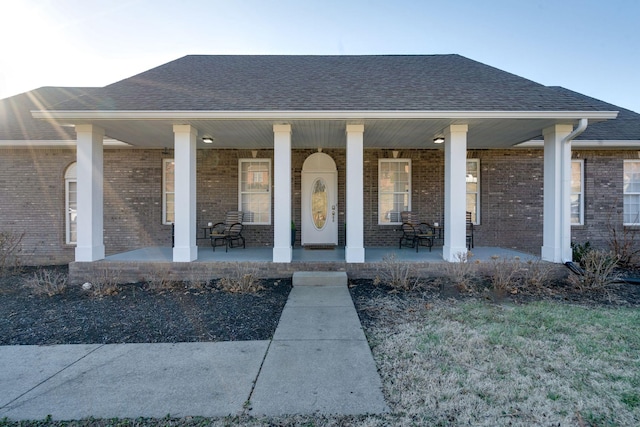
(317,362)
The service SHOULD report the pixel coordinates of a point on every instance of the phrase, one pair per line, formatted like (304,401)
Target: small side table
(206,232)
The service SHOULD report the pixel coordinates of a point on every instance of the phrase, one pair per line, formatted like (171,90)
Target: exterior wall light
(438,140)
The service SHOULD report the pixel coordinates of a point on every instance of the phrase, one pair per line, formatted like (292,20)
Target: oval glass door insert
(319,203)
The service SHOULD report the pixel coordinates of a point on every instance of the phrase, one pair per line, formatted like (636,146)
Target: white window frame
(625,194)
(477,192)
(380,192)
(246,219)
(70,176)
(165,192)
(581,192)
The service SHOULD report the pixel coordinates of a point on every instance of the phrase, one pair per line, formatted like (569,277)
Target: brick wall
(32,196)
(32,202)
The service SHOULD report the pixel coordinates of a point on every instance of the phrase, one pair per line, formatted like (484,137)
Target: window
(473,189)
(394,189)
(577,195)
(71,204)
(631,214)
(254,198)
(168,191)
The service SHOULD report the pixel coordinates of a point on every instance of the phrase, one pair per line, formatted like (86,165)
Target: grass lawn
(475,363)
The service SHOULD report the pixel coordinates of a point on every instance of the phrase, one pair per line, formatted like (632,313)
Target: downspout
(566,192)
(582,126)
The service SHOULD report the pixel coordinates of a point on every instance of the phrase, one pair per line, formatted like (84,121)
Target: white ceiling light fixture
(438,140)
(207,140)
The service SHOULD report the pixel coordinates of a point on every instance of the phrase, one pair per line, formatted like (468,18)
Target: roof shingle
(337,83)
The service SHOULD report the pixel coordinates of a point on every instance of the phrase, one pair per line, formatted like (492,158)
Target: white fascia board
(592,144)
(318,114)
(21,143)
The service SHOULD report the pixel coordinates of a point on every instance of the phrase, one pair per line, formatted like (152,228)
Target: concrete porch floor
(302,255)
(155,263)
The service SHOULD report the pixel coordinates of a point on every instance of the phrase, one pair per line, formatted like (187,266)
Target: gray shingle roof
(625,127)
(16,122)
(270,83)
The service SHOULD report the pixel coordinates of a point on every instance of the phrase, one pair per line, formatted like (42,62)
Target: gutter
(179,115)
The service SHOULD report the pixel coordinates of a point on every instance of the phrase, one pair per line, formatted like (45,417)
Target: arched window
(71,204)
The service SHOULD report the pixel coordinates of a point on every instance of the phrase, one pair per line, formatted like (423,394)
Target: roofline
(588,143)
(52,143)
(314,114)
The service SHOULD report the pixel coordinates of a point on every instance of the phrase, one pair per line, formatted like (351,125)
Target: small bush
(536,273)
(243,280)
(599,271)
(46,282)
(10,249)
(578,250)
(504,273)
(160,280)
(625,245)
(197,278)
(104,281)
(398,275)
(460,271)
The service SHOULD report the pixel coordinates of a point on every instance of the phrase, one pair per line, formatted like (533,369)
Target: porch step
(318,278)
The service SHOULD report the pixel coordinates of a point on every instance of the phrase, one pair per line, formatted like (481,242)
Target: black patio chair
(470,240)
(417,235)
(221,232)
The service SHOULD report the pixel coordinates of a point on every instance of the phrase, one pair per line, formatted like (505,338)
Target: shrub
(398,275)
(599,271)
(504,273)
(536,273)
(46,282)
(578,250)
(243,280)
(104,281)
(460,271)
(160,279)
(197,278)
(10,249)
(624,245)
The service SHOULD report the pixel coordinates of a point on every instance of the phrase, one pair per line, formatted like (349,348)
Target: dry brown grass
(482,364)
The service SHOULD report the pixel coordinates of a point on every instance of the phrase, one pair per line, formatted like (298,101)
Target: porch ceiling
(314,133)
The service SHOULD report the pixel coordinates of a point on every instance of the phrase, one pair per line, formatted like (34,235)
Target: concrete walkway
(317,362)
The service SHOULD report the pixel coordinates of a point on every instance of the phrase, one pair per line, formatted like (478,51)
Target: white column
(90,244)
(354,248)
(455,192)
(185,248)
(556,234)
(282,251)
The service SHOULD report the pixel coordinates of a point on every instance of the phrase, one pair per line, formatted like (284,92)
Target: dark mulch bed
(136,314)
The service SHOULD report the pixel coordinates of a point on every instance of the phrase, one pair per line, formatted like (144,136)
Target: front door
(319,208)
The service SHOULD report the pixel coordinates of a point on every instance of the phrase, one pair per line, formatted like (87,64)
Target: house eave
(50,143)
(177,115)
(599,144)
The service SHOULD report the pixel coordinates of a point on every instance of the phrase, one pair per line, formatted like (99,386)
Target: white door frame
(319,166)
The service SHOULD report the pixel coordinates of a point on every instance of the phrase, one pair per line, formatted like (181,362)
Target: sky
(592,47)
